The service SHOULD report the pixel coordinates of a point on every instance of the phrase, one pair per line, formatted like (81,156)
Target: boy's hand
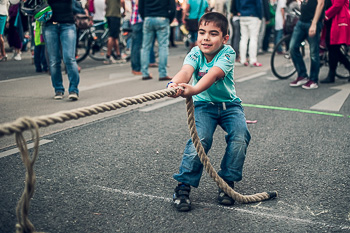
(188,91)
(178,92)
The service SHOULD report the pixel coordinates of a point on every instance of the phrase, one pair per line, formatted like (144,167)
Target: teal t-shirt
(197,8)
(223,90)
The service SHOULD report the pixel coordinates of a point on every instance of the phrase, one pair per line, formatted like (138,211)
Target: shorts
(2,24)
(114,26)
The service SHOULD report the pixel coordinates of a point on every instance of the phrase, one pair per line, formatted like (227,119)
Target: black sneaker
(181,197)
(58,95)
(225,199)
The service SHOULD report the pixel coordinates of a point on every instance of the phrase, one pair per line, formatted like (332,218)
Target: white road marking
(267,215)
(336,101)
(99,85)
(256,75)
(15,150)
(162,104)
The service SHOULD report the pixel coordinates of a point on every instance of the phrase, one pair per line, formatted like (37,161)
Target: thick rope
(33,123)
(20,125)
(23,224)
(209,168)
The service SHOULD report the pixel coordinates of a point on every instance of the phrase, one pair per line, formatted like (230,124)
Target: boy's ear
(226,39)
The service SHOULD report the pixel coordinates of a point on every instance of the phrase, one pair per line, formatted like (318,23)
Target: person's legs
(244,24)
(254,27)
(233,122)
(43,58)
(261,35)
(191,168)
(136,47)
(2,43)
(147,39)
(278,37)
(52,41)
(67,37)
(266,41)
(37,59)
(299,34)
(236,37)
(314,43)
(162,31)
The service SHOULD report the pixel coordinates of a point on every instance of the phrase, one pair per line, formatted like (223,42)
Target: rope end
(272,195)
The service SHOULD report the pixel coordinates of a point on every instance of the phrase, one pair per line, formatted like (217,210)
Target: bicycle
(282,65)
(92,42)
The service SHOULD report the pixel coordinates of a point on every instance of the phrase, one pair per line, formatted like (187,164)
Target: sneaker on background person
(299,82)
(310,85)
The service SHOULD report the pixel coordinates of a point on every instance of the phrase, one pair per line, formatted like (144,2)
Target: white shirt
(278,17)
(4,7)
(100,10)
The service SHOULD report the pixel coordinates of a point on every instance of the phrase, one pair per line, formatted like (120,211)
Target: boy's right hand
(178,92)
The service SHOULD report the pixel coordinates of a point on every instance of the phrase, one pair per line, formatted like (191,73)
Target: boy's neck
(210,57)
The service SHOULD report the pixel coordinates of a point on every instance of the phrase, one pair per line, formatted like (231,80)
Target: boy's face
(210,39)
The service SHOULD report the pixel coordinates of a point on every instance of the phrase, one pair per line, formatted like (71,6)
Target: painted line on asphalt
(99,85)
(294,110)
(256,75)
(29,146)
(267,215)
(336,101)
(160,105)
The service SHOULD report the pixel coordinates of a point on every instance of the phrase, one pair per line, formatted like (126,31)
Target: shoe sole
(58,97)
(297,84)
(183,207)
(73,97)
(309,88)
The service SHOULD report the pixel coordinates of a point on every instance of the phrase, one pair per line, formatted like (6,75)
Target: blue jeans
(155,27)
(300,33)
(136,47)
(232,121)
(40,58)
(278,37)
(57,37)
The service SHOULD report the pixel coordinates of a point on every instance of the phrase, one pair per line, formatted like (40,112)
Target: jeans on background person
(40,58)
(136,48)
(63,36)
(266,41)
(232,121)
(278,37)
(300,33)
(236,37)
(155,27)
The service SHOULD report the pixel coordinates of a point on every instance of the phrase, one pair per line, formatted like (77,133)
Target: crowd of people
(253,26)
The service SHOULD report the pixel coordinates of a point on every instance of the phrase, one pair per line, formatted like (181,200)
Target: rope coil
(33,123)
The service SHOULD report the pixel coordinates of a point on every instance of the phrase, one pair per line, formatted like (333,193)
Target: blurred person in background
(156,15)
(337,26)
(193,9)
(113,15)
(60,39)
(4,6)
(15,35)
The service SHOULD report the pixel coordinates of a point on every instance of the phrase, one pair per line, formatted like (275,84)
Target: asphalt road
(114,174)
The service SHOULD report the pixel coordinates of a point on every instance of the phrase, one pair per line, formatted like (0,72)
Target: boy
(211,66)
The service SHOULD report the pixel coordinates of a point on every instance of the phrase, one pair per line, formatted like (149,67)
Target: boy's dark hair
(217,19)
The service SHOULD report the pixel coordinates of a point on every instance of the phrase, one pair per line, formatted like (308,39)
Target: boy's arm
(318,12)
(204,83)
(183,76)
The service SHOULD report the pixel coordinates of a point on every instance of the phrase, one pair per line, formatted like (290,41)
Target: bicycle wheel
(98,46)
(82,49)
(341,71)
(281,63)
